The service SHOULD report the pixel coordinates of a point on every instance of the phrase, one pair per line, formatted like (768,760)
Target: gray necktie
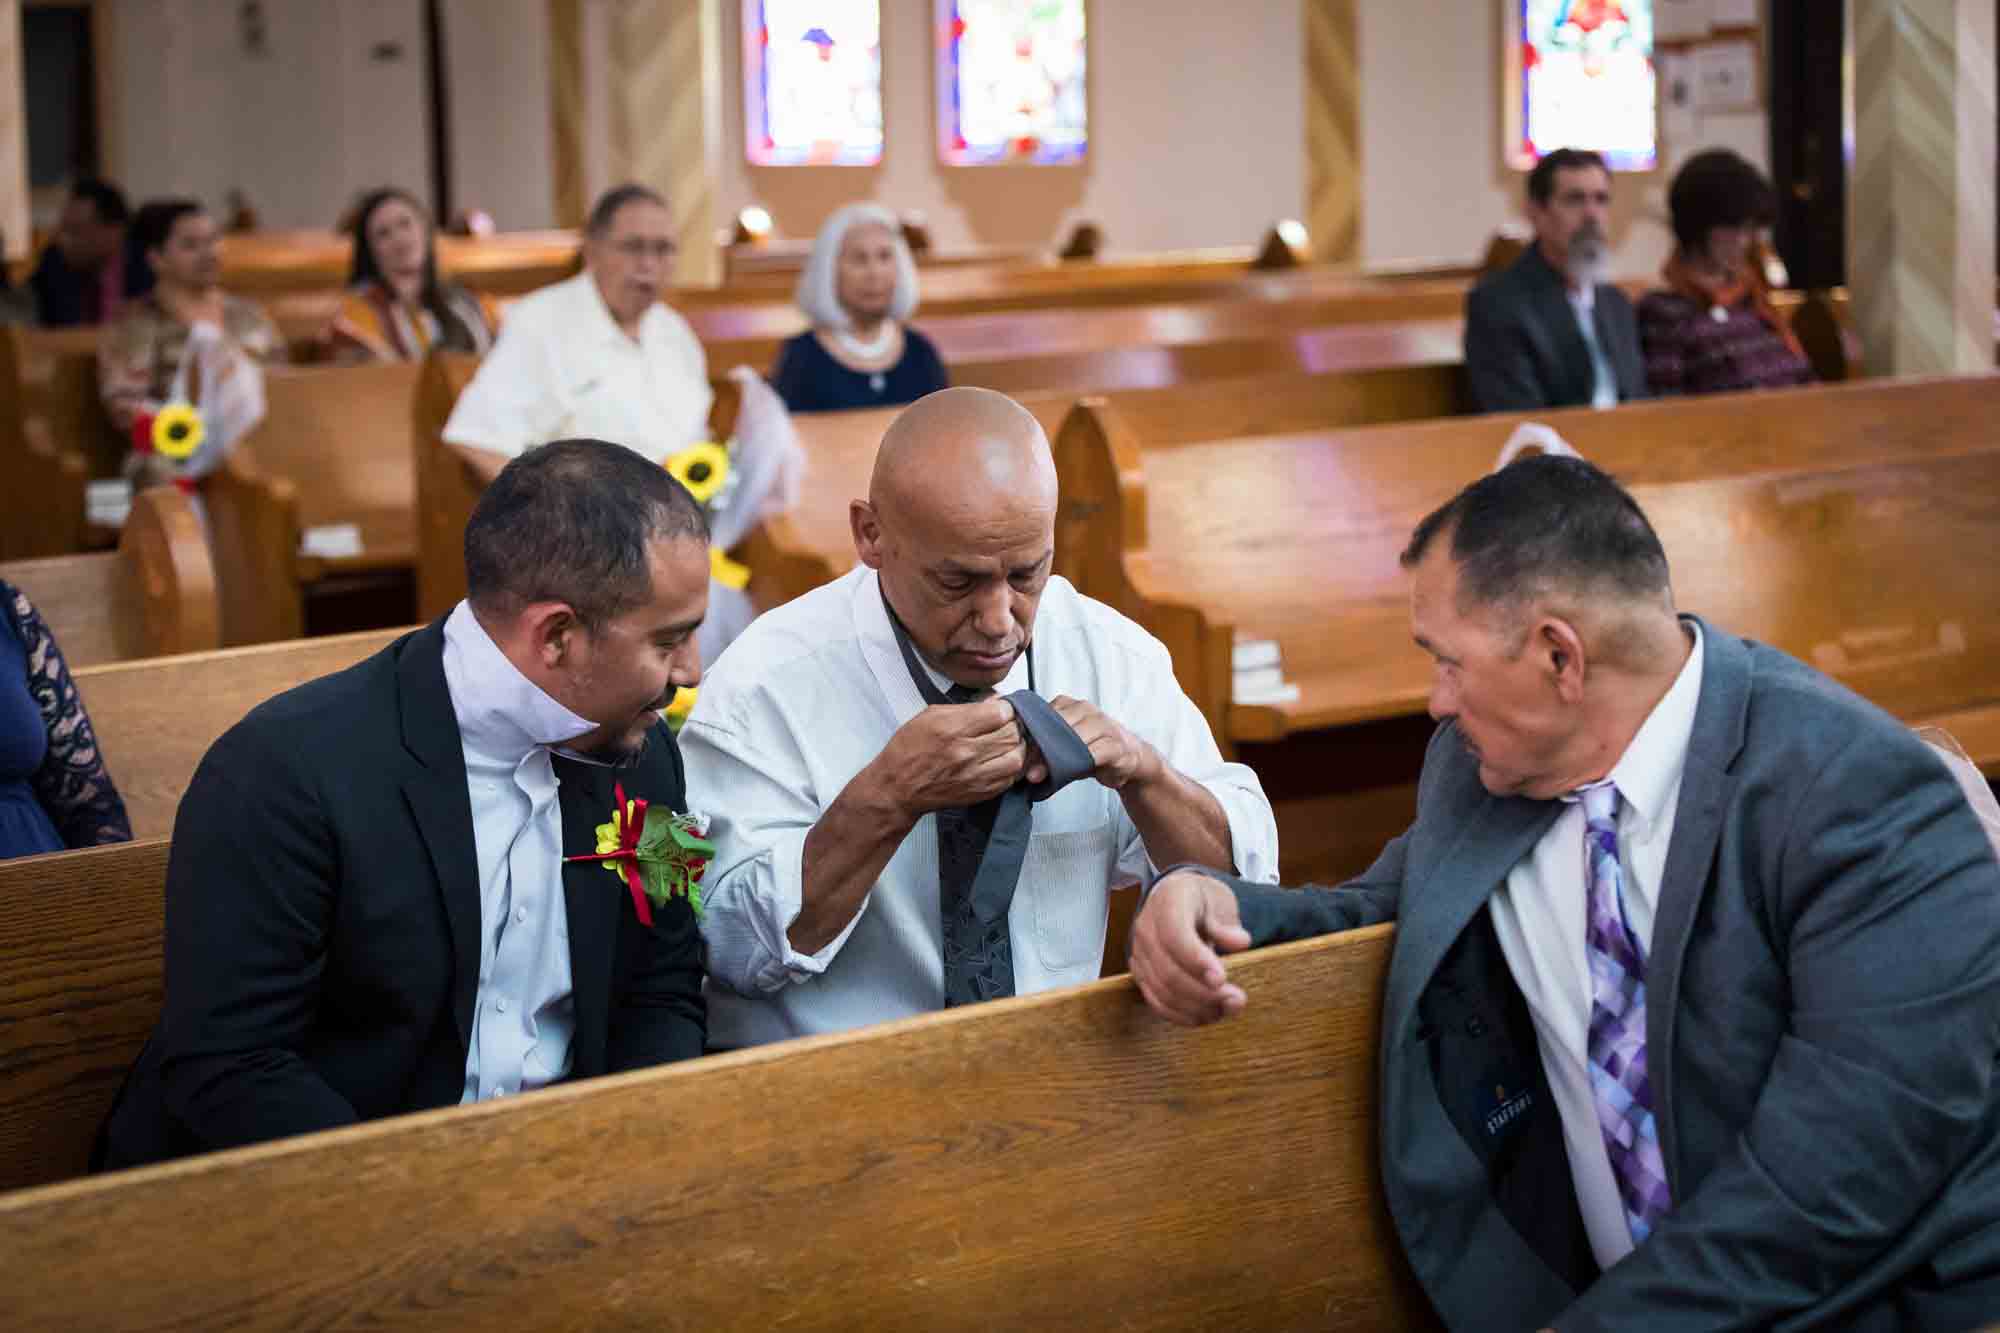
(981,848)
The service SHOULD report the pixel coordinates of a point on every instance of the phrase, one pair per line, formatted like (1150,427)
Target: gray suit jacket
(1523,349)
(1822,1029)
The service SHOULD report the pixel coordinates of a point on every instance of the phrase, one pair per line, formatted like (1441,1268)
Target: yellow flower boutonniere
(660,854)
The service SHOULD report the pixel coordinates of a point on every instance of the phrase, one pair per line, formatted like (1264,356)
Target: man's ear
(1560,650)
(866,526)
(551,630)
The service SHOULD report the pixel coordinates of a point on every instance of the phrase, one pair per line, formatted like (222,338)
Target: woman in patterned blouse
(1713,329)
(395,308)
(54,792)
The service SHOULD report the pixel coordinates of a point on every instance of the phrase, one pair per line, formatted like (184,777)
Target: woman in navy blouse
(858,289)
(54,792)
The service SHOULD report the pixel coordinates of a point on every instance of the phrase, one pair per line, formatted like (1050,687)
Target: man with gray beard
(1548,330)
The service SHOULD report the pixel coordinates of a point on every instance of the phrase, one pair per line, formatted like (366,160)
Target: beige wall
(1197,135)
(497,83)
(1431,129)
(300,129)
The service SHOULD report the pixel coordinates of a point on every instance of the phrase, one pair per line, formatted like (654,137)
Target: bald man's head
(960,524)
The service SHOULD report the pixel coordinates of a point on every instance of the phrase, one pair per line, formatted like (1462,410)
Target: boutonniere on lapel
(660,854)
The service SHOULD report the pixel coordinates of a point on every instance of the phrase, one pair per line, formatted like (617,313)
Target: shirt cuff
(784,901)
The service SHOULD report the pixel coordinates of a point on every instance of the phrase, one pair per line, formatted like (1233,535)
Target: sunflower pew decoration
(704,469)
(175,431)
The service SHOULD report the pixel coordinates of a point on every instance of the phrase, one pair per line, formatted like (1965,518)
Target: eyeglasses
(639,247)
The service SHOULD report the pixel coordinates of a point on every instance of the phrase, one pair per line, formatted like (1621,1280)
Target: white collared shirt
(1604,380)
(523,1015)
(1541,917)
(810,695)
(563,368)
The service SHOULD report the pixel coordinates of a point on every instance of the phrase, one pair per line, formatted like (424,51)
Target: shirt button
(520,915)
(499,1092)
(501,1005)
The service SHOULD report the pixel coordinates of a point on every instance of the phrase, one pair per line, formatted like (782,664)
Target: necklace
(868,351)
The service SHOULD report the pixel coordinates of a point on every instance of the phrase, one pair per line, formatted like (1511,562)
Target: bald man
(848,745)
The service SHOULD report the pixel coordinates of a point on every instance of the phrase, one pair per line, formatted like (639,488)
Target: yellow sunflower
(679,707)
(177,431)
(702,468)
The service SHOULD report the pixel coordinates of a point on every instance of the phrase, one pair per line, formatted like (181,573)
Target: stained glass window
(1587,80)
(1011,81)
(812,82)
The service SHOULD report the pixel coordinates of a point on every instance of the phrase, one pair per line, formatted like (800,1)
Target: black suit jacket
(1822,1024)
(1523,349)
(63,294)
(323,918)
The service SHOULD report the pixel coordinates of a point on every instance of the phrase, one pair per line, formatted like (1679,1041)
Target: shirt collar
(501,713)
(591,301)
(1649,772)
(879,636)
(1583,298)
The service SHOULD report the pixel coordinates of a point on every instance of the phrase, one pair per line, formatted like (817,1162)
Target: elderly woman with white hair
(858,289)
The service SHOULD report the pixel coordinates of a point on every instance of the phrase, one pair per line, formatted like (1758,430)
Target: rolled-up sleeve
(1160,713)
(761,805)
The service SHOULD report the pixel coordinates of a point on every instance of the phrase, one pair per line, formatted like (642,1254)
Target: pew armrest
(254,524)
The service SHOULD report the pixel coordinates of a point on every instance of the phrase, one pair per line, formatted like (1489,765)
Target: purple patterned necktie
(1618,1080)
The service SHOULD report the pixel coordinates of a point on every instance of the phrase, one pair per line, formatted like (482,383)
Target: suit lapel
(1498,834)
(1707,788)
(442,805)
(594,900)
(1559,316)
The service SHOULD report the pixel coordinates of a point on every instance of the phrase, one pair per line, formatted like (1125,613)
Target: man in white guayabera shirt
(864,754)
(374,904)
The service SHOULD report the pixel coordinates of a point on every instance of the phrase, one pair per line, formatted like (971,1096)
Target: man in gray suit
(1548,330)
(1695,1002)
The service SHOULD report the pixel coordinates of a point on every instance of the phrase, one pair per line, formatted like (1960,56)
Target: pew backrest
(154,596)
(1029,1163)
(155,719)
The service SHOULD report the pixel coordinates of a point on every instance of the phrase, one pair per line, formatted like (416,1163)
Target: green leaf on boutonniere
(673,856)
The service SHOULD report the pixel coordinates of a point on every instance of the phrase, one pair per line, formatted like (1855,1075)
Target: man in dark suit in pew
(374,903)
(1548,330)
(1695,1005)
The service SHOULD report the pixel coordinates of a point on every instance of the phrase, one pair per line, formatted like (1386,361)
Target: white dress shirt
(563,368)
(1541,916)
(524,1014)
(806,698)
(1604,380)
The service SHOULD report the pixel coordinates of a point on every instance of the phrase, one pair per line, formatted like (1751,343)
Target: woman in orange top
(395,308)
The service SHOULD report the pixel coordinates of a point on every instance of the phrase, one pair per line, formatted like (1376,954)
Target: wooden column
(1921,198)
(1333,130)
(14,218)
(567,112)
(666,118)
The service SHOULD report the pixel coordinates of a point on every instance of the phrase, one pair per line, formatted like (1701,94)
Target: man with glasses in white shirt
(865,754)
(597,355)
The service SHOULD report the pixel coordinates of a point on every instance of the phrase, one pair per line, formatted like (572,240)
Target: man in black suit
(91,268)
(1693,1016)
(1548,330)
(369,904)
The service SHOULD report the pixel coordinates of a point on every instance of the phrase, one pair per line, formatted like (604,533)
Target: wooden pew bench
(156,718)
(335,449)
(1028,1163)
(155,595)
(1832,523)
(54,439)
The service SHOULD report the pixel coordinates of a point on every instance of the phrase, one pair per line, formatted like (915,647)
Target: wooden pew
(54,438)
(335,447)
(1812,519)
(154,596)
(812,545)
(1029,1163)
(156,718)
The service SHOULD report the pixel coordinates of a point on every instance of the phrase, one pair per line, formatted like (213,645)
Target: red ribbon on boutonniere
(659,854)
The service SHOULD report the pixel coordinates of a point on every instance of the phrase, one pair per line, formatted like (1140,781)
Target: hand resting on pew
(1190,919)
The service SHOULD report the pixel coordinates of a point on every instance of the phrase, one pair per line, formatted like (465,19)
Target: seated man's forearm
(845,853)
(1180,821)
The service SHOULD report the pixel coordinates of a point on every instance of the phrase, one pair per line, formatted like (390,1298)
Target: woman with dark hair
(395,308)
(1713,329)
(54,792)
